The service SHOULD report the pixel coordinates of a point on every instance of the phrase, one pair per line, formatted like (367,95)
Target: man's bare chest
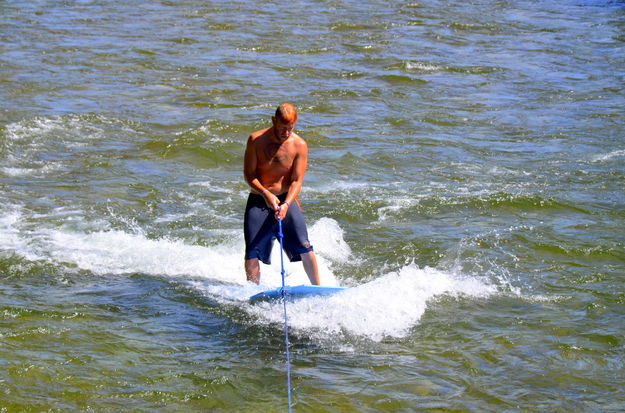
(274,154)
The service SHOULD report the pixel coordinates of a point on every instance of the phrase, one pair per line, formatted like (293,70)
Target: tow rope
(286,319)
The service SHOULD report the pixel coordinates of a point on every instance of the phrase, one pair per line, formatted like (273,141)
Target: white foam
(26,141)
(341,186)
(38,167)
(12,238)
(212,138)
(9,235)
(422,66)
(396,206)
(389,306)
(608,156)
(215,270)
(172,217)
(23,129)
(118,252)
(19,171)
(208,131)
(326,236)
(209,185)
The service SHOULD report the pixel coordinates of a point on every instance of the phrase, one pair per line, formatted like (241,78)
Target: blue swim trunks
(261,228)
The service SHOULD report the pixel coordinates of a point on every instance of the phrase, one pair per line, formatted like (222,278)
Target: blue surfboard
(298,291)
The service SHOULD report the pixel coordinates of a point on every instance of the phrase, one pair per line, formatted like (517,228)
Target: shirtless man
(274,167)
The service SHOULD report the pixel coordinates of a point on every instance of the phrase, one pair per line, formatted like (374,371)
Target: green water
(466,178)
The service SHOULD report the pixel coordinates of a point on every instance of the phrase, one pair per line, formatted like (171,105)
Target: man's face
(283,129)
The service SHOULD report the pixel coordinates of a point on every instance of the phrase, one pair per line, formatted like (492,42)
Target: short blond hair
(286,112)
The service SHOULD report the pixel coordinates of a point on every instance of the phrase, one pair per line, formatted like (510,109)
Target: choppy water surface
(466,179)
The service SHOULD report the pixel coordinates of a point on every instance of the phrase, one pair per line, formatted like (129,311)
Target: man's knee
(308,255)
(252,270)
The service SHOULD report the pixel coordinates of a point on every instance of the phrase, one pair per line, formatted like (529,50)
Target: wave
(425,67)
(407,207)
(119,252)
(41,145)
(590,251)
(388,306)
(608,156)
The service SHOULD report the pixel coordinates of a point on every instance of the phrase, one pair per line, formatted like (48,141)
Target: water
(466,179)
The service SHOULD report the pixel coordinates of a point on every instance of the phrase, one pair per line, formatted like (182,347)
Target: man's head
(284,121)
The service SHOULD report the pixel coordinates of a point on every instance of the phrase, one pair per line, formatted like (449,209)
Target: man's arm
(250,164)
(297,176)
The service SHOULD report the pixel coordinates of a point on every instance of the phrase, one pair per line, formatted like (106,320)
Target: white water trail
(389,306)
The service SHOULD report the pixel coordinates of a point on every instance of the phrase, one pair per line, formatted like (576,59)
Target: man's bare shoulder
(299,142)
(254,136)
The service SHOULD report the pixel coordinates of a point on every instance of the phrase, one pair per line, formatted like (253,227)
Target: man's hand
(272,201)
(282,210)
